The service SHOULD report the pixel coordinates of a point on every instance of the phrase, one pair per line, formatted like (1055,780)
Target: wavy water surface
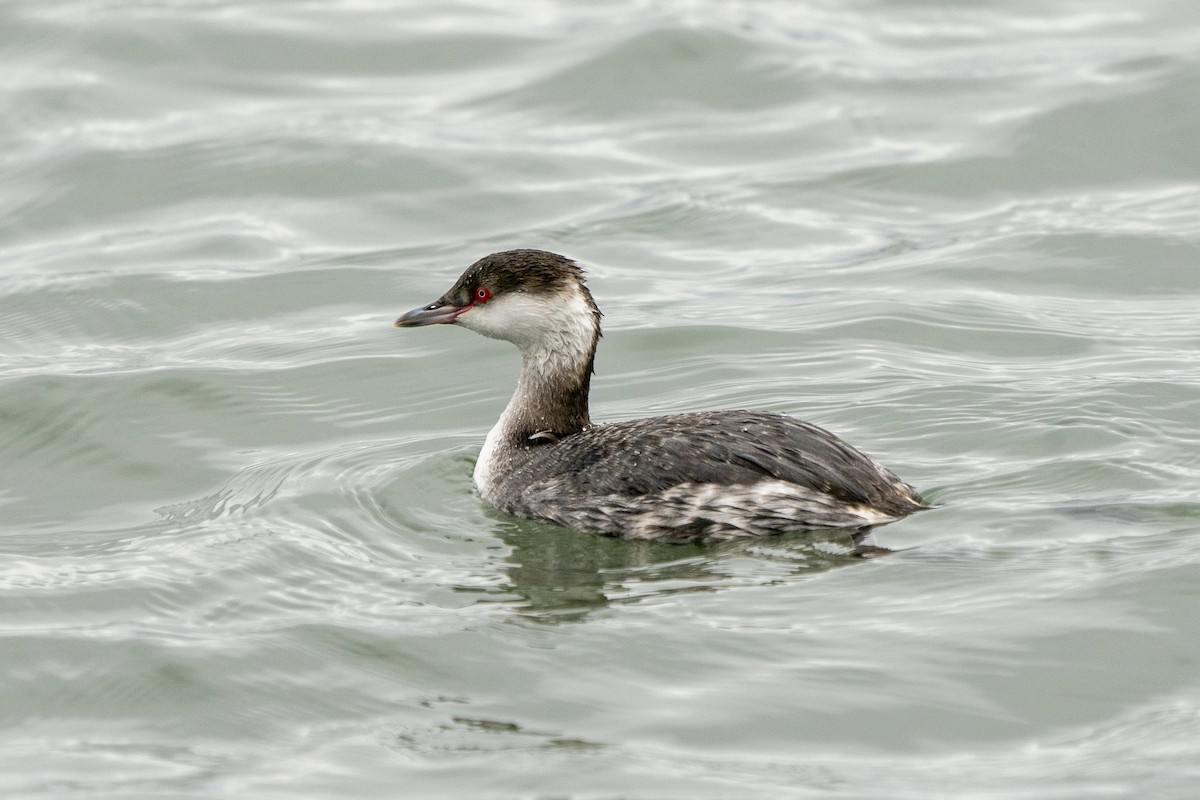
(241,551)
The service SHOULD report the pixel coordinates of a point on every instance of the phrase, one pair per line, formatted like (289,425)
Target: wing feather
(651,456)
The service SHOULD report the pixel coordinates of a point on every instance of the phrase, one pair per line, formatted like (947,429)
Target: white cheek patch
(507,317)
(541,326)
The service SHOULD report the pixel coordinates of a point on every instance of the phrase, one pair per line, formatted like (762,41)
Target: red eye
(482,295)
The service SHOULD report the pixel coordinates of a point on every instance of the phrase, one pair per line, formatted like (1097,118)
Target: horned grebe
(703,476)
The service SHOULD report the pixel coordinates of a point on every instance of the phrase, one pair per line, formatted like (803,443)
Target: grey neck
(551,399)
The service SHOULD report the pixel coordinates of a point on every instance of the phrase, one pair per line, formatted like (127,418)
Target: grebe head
(534,299)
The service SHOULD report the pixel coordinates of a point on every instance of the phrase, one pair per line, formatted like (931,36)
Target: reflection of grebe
(704,476)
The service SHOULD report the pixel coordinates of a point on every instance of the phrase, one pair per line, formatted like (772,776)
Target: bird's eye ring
(482,294)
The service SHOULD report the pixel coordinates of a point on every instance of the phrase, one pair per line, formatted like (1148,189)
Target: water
(241,553)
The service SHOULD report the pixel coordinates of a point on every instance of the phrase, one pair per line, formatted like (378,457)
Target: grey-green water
(241,556)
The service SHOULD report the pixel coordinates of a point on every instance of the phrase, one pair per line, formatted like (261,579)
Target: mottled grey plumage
(706,476)
(689,477)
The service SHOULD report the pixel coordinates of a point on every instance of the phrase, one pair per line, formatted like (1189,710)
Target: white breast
(485,466)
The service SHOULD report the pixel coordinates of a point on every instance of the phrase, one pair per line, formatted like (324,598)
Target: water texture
(240,555)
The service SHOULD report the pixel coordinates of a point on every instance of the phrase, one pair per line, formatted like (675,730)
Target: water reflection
(560,575)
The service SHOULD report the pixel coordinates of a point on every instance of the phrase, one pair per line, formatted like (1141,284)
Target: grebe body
(703,476)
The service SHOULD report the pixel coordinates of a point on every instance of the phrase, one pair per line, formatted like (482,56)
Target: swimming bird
(701,476)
